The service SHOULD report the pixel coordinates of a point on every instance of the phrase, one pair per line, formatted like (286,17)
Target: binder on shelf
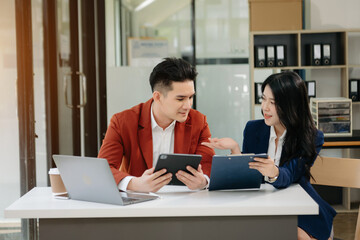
(315,54)
(258,93)
(280,55)
(311,88)
(354,89)
(326,54)
(260,56)
(270,56)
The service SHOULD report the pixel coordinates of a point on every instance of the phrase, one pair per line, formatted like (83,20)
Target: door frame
(93,45)
(26,112)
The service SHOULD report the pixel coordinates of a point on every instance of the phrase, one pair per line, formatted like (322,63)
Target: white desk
(264,214)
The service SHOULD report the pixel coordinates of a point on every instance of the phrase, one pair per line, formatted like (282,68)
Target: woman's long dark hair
(292,106)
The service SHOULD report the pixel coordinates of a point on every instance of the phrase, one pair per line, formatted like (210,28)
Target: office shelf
(345,53)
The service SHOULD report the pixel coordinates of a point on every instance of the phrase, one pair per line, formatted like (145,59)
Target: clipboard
(233,172)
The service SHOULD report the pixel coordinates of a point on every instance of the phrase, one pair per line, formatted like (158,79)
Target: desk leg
(175,228)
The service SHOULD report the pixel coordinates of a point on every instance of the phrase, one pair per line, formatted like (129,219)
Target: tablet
(233,172)
(174,162)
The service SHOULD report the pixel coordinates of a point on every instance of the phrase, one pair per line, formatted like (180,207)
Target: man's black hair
(171,70)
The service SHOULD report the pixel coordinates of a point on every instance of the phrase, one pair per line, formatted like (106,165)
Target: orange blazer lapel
(145,134)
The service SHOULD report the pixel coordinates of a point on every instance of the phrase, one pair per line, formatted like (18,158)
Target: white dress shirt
(163,142)
(273,151)
(163,139)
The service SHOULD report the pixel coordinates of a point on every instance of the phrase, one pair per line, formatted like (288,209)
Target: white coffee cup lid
(54,171)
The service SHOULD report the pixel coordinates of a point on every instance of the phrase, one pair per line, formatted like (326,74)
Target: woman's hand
(223,143)
(266,166)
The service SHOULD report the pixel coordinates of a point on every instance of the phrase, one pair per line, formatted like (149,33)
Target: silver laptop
(90,179)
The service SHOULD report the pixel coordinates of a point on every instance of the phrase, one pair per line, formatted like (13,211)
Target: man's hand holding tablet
(185,167)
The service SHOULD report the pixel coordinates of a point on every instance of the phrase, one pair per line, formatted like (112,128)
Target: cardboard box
(270,15)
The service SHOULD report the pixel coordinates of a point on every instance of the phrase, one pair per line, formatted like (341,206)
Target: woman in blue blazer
(289,137)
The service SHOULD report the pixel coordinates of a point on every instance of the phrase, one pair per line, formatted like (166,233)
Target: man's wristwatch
(272,179)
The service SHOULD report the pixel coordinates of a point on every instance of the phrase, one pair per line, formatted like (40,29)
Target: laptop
(90,179)
(233,172)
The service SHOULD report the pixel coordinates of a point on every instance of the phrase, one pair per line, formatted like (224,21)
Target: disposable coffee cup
(57,185)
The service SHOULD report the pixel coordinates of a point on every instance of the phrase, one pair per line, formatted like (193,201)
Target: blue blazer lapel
(262,135)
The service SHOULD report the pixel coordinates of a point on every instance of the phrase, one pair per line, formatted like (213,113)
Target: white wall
(334,14)
(126,87)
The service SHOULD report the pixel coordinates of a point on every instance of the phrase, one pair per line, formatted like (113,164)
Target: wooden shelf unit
(343,57)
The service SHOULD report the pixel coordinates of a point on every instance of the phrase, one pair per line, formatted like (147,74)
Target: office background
(222,48)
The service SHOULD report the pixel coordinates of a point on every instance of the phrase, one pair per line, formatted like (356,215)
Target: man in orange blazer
(164,124)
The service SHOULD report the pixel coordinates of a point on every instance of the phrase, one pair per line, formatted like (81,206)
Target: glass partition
(147,31)
(222,52)
(39,93)
(9,125)
(222,30)
(223,95)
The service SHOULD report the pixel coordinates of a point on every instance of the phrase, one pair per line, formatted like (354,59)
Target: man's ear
(156,96)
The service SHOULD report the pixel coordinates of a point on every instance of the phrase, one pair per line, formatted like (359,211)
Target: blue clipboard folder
(233,172)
